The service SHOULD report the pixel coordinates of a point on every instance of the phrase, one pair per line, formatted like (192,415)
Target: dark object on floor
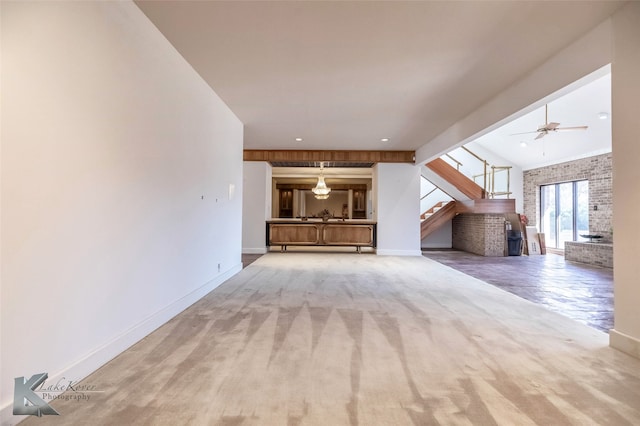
(514,241)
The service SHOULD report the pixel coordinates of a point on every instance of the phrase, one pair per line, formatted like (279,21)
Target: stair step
(433,210)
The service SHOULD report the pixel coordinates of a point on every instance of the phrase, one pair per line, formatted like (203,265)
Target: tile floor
(578,291)
(581,292)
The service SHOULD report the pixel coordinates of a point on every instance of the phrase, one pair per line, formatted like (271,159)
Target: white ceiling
(581,106)
(343,75)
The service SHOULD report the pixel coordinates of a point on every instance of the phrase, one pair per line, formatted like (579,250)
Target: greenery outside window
(564,212)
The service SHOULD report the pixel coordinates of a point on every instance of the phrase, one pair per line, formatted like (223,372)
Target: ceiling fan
(544,129)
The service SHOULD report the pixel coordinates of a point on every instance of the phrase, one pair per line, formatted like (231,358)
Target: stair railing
(458,164)
(488,178)
(492,181)
(497,169)
(428,193)
(484,164)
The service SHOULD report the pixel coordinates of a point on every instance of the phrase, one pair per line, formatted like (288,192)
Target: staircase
(437,215)
(458,180)
(469,197)
(435,208)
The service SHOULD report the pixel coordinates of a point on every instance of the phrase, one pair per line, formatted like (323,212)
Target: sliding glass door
(582,206)
(548,222)
(564,212)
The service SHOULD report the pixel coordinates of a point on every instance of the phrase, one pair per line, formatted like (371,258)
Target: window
(564,212)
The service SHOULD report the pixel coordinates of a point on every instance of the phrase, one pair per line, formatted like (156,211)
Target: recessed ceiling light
(384,140)
(523,144)
(298,139)
(603,115)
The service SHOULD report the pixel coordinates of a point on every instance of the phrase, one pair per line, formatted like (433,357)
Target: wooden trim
(286,155)
(333,186)
(488,206)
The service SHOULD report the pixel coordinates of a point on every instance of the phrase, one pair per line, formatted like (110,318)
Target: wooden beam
(336,186)
(275,155)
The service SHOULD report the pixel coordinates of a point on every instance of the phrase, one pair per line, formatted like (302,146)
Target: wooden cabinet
(359,204)
(286,203)
(332,233)
(346,235)
(298,233)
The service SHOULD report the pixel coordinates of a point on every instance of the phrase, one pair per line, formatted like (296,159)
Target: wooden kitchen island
(316,232)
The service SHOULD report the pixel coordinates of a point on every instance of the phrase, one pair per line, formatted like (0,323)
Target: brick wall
(599,254)
(597,170)
(481,234)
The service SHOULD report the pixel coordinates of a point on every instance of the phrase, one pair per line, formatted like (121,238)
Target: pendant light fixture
(321,191)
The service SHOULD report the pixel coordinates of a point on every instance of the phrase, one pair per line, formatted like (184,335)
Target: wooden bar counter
(316,232)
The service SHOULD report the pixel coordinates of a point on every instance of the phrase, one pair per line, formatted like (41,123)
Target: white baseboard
(625,343)
(254,250)
(87,364)
(383,252)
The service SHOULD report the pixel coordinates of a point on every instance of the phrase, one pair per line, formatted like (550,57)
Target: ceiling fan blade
(540,136)
(523,133)
(552,126)
(560,129)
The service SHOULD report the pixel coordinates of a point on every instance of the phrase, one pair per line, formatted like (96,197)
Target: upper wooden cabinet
(359,204)
(286,203)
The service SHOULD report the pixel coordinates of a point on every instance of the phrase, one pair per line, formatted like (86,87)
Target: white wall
(117,160)
(432,199)
(625,70)
(256,206)
(397,201)
(440,238)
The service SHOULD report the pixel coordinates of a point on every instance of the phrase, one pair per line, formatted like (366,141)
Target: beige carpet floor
(347,339)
